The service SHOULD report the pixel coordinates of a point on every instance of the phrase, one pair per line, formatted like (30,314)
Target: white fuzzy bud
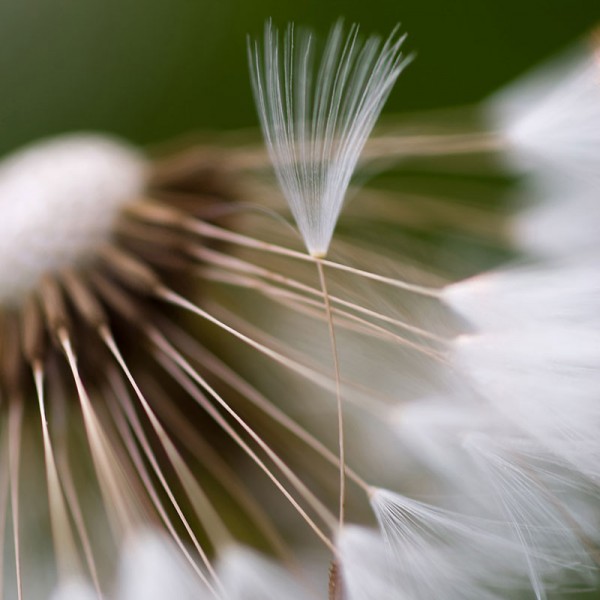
(58,201)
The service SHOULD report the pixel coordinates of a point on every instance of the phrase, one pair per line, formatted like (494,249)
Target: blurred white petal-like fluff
(517,441)
(152,568)
(247,575)
(75,589)
(366,571)
(551,118)
(560,219)
(528,296)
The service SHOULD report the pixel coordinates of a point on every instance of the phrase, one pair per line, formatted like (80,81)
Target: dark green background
(152,69)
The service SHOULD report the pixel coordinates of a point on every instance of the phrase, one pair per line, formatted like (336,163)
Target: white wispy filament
(315,126)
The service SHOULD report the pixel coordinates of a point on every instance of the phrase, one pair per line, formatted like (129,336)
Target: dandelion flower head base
(316,119)
(58,201)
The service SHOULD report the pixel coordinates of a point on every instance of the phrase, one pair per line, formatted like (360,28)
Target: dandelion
(166,396)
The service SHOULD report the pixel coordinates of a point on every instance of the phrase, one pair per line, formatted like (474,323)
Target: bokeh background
(154,69)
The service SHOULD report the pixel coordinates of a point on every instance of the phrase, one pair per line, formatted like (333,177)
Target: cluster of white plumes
(59,200)
(514,437)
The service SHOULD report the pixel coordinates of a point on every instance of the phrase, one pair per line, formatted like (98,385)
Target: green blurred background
(153,69)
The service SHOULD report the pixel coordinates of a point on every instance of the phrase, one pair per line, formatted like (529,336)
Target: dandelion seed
(428,545)
(316,127)
(315,132)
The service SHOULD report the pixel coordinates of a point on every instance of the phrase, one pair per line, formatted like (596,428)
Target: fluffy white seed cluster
(534,359)
(58,201)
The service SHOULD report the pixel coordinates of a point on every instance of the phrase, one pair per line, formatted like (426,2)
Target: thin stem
(371,400)
(75,508)
(301,304)
(184,379)
(118,412)
(62,536)
(237,264)
(161,214)
(177,300)
(212,231)
(107,467)
(219,468)
(15,430)
(4,487)
(250,393)
(338,393)
(394,146)
(176,356)
(214,526)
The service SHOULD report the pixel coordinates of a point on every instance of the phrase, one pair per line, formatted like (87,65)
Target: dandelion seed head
(498,409)
(58,202)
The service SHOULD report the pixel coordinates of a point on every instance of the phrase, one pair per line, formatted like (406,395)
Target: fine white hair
(315,127)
